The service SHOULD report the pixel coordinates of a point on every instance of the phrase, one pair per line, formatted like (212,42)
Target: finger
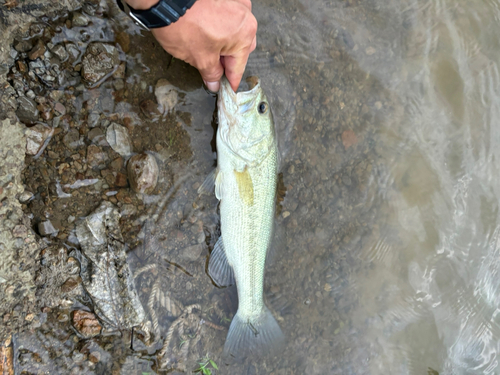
(211,75)
(234,69)
(253,45)
(246,3)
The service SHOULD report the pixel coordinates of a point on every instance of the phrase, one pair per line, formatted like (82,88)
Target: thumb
(211,75)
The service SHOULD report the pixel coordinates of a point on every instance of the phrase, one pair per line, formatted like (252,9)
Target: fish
(245,183)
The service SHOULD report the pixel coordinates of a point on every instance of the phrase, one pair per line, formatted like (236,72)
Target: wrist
(141,4)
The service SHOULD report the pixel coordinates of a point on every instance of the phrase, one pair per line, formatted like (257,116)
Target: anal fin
(219,268)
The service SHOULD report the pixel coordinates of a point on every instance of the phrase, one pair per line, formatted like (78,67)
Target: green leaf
(214,365)
(208,371)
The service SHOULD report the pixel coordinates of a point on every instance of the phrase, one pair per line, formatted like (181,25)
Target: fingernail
(212,86)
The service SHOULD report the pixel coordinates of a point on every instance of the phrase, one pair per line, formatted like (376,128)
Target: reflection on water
(386,255)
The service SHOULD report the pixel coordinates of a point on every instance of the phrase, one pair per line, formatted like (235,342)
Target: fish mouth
(239,98)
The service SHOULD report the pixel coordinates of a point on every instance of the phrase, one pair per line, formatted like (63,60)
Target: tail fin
(258,337)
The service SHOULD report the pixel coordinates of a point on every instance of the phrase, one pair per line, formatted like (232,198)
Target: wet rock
(166,96)
(121,180)
(79,19)
(71,284)
(117,164)
(72,139)
(26,110)
(23,46)
(191,253)
(96,135)
(93,119)
(123,39)
(36,137)
(73,51)
(99,61)
(60,108)
(86,323)
(37,51)
(96,157)
(45,228)
(119,140)
(60,52)
(349,138)
(143,172)
(120,71)
(26,196)
(105,273)
(150,109)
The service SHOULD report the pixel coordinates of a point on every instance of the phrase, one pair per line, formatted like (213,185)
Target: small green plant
(204,366)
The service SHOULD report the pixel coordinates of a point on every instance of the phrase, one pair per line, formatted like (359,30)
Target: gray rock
(105,273)
(119,140)
(72,139)
(36,137)
(26,196)
(80,19)
(73,51)
(23,46)
(60,52)
(26,110)
(93,119)
(99,61)
(143,171)
(191,253)
(45,228)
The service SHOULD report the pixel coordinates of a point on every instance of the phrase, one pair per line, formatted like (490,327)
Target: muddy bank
(18,245)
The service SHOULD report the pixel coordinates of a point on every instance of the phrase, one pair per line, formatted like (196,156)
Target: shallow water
(386,256)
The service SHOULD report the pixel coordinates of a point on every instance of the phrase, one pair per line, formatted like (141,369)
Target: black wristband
(162,14)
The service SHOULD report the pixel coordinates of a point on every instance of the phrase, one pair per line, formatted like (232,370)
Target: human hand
(214,36)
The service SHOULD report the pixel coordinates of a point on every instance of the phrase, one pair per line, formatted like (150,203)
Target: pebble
(96,135)
(99,60)
(191,253)
(37,51)
(96,157)
(93,119)
(149,108)
(59,107)
(119,140)
(121,180)
(26,110)
(349,138)
(45,228)
(60,52)
(143,173)
(79,19)
(166,96)
(72,139)
(36,137)
(86,323)
(70,284)
(23,46)
(26,196)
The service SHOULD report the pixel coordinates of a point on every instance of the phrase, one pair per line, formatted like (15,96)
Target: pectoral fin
(207,187)
(219,268)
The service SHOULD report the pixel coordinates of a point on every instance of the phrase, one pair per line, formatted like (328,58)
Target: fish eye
(263,107)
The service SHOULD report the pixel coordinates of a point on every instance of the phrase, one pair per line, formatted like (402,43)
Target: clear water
(386,258)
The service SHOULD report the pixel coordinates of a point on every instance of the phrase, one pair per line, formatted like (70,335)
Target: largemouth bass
(245,183)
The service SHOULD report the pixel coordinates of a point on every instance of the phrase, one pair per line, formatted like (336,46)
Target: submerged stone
(26,110)
(143,173)
(86,323)
(166,96)
(119,140)
(36,137)
(99,61)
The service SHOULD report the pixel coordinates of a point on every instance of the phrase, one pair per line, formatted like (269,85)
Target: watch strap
(162,14)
